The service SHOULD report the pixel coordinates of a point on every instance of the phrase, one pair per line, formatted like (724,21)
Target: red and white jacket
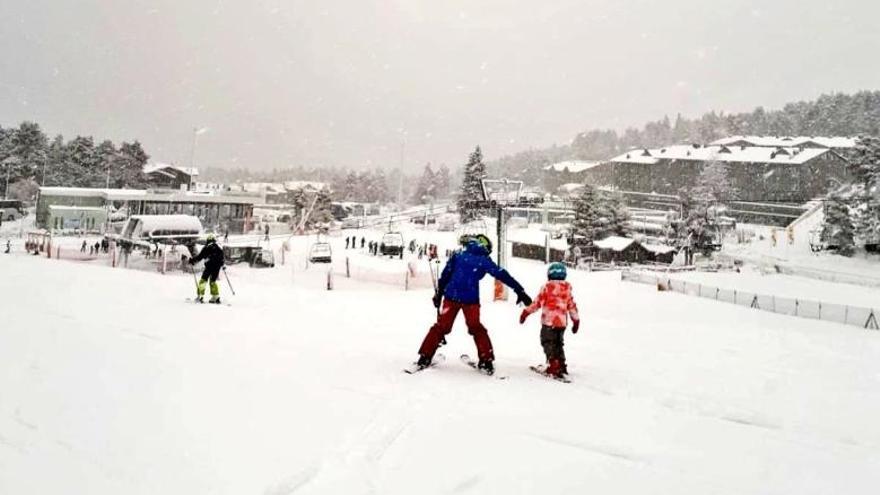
(557,302)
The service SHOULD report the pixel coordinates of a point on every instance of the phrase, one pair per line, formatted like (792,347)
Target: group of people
(422,250)
(102,246)
(351,242)
(458,289)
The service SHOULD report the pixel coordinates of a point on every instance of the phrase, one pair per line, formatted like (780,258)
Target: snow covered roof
(304,184)
(145,195)
(573,166)
(789,141)
(614,243)
(76,208)
(157,167)
(151,223)
(731,154)
(659,248)
(112,194)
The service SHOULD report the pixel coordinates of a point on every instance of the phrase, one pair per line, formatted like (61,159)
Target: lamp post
(192,152)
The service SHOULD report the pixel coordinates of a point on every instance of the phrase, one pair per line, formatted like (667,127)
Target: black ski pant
(552,342)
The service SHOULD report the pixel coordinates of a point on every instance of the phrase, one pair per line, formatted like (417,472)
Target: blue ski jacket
(460,280)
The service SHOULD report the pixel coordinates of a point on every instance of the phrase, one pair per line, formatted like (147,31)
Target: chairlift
(321,252)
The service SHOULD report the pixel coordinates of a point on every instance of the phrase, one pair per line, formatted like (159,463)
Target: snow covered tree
(865,168)
(28,145)
(614,213)
(132,159)
(471,187)
(351,187)
(838,230)
(377,188)
(108,164)
(322,212)
(425,189)
(588,225)
(442,182)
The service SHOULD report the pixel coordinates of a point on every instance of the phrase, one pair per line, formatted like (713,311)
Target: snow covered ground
(110,383)
(751,280)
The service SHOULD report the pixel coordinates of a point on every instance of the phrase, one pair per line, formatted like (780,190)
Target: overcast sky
(307,82)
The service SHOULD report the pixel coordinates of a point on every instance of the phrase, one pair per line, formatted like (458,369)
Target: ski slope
(110,383)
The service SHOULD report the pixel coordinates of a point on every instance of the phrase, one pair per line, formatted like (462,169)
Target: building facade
(217,212)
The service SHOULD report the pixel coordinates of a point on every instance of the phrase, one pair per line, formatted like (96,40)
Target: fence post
(845,314)
(347,268)
(796,304)
(58,252)
(329,279)
(406,281)
(699,290)
(820,310)
(716,292)
(734,296)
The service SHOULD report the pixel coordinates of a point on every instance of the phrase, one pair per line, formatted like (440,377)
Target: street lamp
(192,152)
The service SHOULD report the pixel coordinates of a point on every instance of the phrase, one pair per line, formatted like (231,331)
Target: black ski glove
(192,261)
(522,297)
(437,299)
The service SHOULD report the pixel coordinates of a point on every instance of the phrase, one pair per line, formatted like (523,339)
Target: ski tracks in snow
(354,466)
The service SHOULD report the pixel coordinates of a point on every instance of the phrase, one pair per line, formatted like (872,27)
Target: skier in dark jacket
(459,289)
(213,256)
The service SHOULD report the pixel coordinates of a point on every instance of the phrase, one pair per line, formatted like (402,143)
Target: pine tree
(322,212)
(472,187)
(132,159)
(108,162)
(615,215)
(442,182)
(588,225)
(378,187)
(425,190)
(351,188)
(838,230)
(28,145)
(865,168)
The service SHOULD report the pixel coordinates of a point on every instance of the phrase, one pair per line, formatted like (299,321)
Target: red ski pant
(448,312)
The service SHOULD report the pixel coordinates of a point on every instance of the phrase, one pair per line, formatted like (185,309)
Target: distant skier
(8,246)
(267,232)
(558,304)
(347,241)
(82,248)
(363,241)
(213,256)
(459,289)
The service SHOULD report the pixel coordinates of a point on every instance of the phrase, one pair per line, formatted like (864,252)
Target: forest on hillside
(836,114)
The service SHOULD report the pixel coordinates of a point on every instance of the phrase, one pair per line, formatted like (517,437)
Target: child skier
(213,254)
(459,289)
(558,304)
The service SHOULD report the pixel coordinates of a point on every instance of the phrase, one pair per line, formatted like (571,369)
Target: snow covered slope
(110,383)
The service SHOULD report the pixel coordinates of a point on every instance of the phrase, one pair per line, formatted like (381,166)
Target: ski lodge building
(834,143)
(164,176)
(56,206)
(756,173)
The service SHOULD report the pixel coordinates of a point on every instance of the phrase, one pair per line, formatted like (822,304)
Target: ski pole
(195,279)
(228,282)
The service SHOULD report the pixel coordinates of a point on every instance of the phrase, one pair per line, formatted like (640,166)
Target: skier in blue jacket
(459,289)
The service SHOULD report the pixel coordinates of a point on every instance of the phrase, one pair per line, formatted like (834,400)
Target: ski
(473,364)
(193,301)
(415,368)
(540,370)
